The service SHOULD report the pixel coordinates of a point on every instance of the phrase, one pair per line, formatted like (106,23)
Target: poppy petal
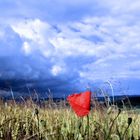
(80,103)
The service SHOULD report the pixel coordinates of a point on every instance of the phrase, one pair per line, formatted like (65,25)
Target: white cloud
(34,30)
(36,34)
(56,70)
(121,6)
(26,48)
(113,43)
(107,44)
(117,52)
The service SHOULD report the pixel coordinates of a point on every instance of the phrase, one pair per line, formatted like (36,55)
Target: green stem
(88,127)
(112,124)
(38,125)
(125,132)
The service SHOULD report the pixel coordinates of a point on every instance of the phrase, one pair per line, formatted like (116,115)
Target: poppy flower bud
(129,120)
(36,111)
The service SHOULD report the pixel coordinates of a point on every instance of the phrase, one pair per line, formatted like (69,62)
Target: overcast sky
(70,44)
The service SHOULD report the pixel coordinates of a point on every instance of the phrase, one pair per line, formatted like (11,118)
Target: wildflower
(80,103)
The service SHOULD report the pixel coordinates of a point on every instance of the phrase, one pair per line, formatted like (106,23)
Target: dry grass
(28,121)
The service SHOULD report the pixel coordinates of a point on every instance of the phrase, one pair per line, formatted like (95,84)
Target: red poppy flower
(80,103)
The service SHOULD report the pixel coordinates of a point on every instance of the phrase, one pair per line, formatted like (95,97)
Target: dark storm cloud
(19,71)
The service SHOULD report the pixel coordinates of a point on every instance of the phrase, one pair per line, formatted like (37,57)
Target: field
(51,121)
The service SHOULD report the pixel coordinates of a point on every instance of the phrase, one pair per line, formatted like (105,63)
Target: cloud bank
(68,46)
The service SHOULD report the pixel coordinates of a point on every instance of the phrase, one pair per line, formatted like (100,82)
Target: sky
(67,46)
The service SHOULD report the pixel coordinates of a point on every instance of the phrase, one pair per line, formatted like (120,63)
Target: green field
(28,121)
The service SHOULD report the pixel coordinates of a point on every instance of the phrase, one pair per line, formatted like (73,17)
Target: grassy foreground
(28,121)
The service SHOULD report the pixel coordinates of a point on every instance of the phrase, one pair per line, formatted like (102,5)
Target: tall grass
(29,121)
